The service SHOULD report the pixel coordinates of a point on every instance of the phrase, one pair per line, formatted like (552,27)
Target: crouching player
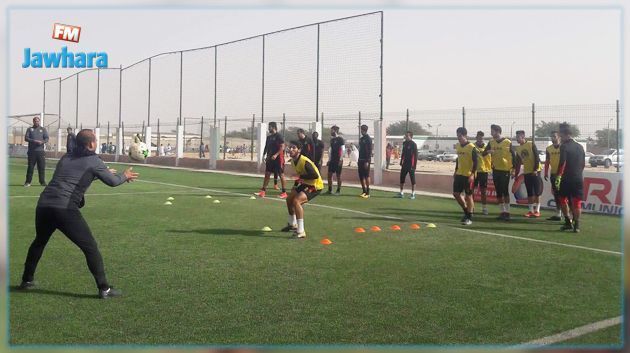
(309,185)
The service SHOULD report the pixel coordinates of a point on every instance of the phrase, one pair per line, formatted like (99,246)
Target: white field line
(401,219)
(109,194)
(539,241)
(570,334)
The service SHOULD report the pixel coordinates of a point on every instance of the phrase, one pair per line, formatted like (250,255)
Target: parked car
(447,157)
(607,159)
(587,157)
(427,156)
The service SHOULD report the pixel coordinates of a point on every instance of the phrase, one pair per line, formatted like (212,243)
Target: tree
(399,128)
(544,128)
(607,138)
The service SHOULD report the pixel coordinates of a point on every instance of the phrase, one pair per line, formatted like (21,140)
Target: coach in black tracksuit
(58,208)
(36,136)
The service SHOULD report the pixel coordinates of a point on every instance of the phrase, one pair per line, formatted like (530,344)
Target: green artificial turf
(197,272)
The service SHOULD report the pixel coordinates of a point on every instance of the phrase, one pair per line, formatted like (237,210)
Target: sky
(433,58)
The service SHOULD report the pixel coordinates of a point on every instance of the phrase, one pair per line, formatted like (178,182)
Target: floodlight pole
(464,117)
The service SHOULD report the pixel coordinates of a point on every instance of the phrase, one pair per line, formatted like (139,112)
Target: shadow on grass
(15,289)
(234,232)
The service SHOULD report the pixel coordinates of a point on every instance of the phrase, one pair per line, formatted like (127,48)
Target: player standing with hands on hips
(365,157)
(464,176)
(59,204)
(570,179)
(37,137)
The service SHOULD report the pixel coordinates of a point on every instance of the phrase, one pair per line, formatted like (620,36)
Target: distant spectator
(161,151)
(388,154)
(104,147)
(201,151)
(71,141)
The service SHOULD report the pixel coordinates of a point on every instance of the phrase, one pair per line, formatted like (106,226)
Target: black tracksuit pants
(39,158)
(71,223)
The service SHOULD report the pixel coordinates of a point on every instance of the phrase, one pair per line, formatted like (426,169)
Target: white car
(587,157)
(447,157)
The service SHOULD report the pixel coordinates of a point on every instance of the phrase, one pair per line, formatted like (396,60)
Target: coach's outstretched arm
(106,176)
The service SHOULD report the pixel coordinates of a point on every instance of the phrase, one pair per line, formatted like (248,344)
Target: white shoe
(299,234)
(467,222)
(400,195)
(412,197)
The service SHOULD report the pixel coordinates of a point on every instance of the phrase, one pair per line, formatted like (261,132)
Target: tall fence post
(98,94)
(262,100)
(359,127)
(533,123)
(464,117)
(44,105)
(224,136)
(284,124)
(76,111)
(149,97)
(407,121)
(317,81)
(215,87)
(59,113)
(251,144)
(322,114)
(159,138)
(617,139)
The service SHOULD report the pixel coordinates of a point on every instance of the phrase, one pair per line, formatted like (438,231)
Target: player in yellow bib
(552,162)
(464,176)
(527,154)
(484,166)
(503,158)
(308,185)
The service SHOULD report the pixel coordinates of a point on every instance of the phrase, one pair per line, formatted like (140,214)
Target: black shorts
(364,169)
(501,180)
(481,180)
(309,190)
(570,187)
(533,184)
(407,169)
(335,167)
(554,189)
(461,184)
(274,166)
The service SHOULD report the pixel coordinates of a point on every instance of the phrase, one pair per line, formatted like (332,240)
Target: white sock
(559,213)
(531,207)
(300,223)
(502,206)
(507,207)
(537,206)
(291,220)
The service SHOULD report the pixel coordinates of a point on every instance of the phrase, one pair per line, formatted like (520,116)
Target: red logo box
(68,33)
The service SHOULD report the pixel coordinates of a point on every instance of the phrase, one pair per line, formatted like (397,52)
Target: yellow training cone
(325,241)
(431,225)
(168,203)
(395,227)
(414,226)
(375,229)
(170,199)
(252,197)
(266,229)
(208,196)
(359,230)
(216,201)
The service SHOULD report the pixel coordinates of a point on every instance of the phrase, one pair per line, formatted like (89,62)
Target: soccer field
(198,272)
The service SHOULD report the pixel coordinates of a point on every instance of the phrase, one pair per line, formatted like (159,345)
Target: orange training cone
(395,227)
(359,230)
(375,229)
(326,241)
(414,226)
